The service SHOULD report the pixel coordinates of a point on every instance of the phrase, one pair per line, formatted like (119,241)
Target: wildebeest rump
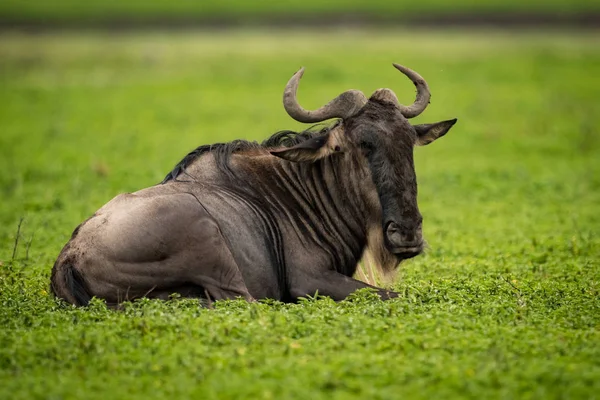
(282,219)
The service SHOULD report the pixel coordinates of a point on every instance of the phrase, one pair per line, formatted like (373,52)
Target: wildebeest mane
(223,151)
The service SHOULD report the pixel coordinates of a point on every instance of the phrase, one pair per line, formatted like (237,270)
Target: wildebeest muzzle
(405,241)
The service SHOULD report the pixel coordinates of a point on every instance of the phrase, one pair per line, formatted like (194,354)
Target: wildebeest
(283,219)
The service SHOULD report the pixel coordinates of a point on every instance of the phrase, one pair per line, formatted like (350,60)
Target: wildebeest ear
(310,150)
(427,133)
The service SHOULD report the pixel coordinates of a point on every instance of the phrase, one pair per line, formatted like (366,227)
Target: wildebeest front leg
(334,285)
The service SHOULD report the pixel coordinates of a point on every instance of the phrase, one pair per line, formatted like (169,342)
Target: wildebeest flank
(282,219)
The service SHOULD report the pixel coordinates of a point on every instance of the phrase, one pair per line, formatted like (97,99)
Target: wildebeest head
(378,129)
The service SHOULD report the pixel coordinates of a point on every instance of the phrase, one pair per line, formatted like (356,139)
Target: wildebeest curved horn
(343,106)
(423,94)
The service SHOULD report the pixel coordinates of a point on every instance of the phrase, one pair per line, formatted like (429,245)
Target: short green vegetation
(504,304)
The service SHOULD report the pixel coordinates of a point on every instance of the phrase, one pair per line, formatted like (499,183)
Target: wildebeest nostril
(393,232)
(402,237)
(408,237)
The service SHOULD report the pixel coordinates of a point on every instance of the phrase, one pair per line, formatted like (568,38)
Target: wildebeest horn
(423,94)
(343,106)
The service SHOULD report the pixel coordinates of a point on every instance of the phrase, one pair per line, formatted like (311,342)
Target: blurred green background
(504,303)
(268,11)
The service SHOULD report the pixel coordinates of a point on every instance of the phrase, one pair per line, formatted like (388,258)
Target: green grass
(505,303)
(75,10)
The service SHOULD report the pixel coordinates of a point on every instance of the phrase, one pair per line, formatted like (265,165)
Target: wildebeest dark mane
(223,151)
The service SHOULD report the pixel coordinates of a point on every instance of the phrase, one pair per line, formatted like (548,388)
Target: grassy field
(75,10)
(505,303)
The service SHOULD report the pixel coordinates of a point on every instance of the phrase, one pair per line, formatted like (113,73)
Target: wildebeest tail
(68,284)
